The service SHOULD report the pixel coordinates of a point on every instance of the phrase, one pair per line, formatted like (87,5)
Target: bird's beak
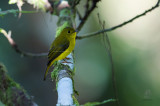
(75,31)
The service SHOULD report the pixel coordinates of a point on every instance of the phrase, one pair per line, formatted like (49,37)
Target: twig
(79,15)
(120,25)
(87,13)
(26,54)
(87,5)
(76,3)
(98,103)
(13,11)
(109,52)
(15,46)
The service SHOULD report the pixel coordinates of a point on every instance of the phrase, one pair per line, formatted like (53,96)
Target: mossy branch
(11,93)
(64,70)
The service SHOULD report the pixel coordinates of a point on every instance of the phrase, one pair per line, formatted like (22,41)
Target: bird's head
(69,32)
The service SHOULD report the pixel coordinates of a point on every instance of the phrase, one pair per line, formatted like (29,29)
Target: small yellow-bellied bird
(61,47)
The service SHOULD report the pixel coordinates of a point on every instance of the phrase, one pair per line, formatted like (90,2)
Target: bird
(61,47)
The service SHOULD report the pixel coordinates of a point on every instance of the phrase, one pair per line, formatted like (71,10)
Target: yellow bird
(61,47)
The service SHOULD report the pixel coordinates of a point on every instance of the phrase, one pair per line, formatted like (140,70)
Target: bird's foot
(67,58)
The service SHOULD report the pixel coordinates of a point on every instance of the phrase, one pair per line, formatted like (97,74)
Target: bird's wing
(57,49)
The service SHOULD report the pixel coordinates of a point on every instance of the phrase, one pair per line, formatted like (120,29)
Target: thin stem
(27,54)
(79,15)
(109,52)
(76,3)
(13,11)
(15,46)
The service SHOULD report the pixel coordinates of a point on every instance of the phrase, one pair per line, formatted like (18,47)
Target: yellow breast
(67,51)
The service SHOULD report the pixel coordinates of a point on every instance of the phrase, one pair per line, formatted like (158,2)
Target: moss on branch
(11,93)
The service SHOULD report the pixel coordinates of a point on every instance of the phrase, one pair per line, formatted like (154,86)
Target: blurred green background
(135,50)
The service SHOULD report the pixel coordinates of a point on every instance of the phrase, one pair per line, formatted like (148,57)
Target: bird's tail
(45,75)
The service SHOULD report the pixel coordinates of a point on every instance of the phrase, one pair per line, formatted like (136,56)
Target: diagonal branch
(87,13)
(12,94)
(15,46)
(76,2)
(120,25)
(79,15)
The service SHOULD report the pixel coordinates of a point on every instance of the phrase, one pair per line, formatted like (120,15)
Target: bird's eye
(69,31)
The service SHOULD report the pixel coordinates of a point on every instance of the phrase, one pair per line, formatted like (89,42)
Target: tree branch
(87,13)
(15,46)
(64,80)
(98,103)
(76,2)
(11,93)
(120,25)
(64,70)
(79,15)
